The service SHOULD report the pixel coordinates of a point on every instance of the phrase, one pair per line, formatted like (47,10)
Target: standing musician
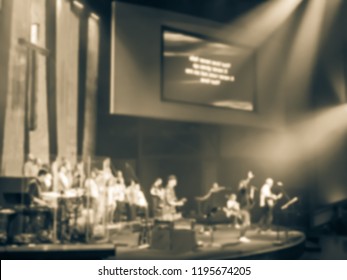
(120,196)
(267,203)
(64,182)
(92,192)
(30,166)
(136,200)
(111,204)
(157,194)
(246,200)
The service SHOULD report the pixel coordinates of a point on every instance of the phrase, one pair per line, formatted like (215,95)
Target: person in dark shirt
(35,187)
(157,194)
(246,200)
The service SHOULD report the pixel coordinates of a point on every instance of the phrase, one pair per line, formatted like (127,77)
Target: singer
(267,203)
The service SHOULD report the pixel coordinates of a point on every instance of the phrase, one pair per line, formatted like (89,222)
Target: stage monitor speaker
(175,240)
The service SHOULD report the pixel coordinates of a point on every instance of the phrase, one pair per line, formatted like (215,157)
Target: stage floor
(224,244)
(122,245)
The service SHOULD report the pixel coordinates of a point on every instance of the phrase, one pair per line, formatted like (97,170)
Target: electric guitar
(231,212)
(271,201)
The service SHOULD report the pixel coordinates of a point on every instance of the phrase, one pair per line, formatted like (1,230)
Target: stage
(223,244)
(122,244)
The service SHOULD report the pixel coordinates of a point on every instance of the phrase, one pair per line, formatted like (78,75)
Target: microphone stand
(285,207)
(278,241)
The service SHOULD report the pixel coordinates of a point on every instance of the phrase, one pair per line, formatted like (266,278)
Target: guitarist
(246,200)
(170,199)
(232,209)
(267,203)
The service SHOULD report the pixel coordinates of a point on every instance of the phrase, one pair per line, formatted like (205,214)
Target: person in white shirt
(107,169)
(111,190)
(232,209)
(136,200)
(64,182)
(92,193)
(267,203)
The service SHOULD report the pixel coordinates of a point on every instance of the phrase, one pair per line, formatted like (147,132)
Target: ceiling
(215,10)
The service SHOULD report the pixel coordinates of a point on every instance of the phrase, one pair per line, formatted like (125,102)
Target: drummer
(35,188)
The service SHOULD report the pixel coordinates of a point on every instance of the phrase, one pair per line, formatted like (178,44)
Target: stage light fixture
(78,5)
(94,16)
(34,33)
(59,6)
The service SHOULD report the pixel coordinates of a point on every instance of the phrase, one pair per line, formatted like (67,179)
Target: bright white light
(34,33)
(254,27)
(78,4)
(59,5)
(194,58)
(94,16)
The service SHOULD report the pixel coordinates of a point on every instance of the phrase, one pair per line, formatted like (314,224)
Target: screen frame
(252,50)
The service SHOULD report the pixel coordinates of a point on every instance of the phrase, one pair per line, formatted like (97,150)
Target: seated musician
(232,209)
(157,194)
(267,203)
(35,187)
(171,201)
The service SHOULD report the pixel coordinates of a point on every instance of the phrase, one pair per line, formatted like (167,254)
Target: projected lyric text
(212,72)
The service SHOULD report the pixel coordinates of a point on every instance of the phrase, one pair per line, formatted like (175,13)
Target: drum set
(73,216)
